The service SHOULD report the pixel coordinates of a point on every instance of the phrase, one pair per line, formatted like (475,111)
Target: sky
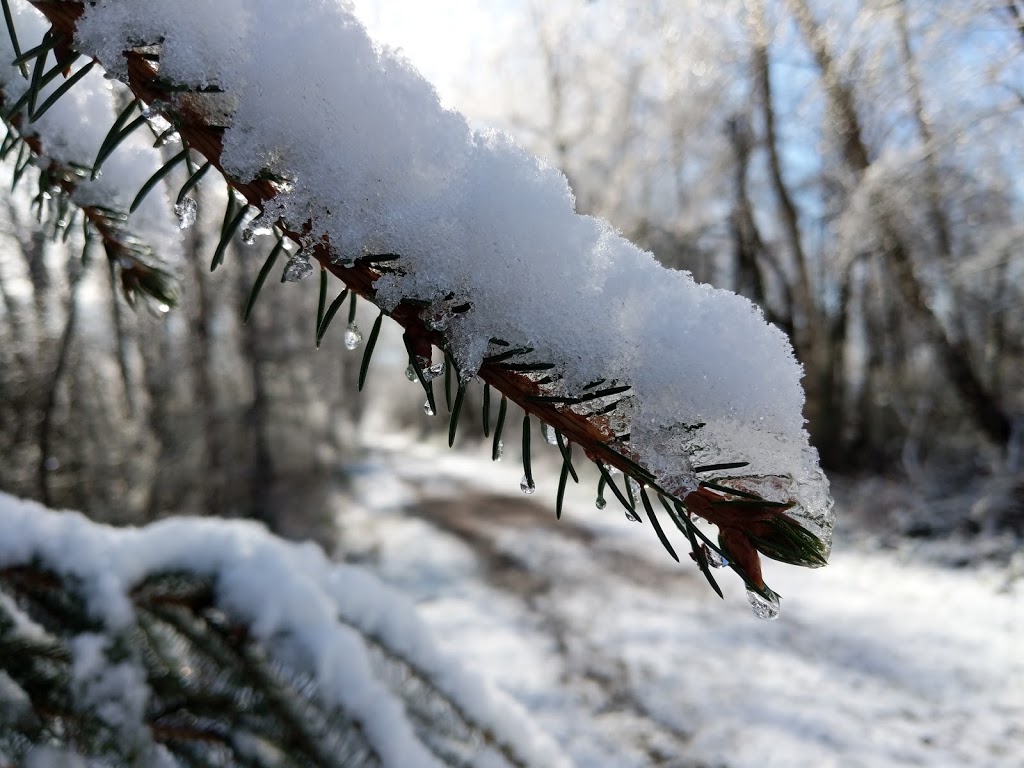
(443,38)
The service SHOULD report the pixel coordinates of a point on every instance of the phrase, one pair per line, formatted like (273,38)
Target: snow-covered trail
(630,660)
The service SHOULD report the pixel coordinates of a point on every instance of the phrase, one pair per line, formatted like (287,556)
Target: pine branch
(129,256)
(585,420)
(169,636)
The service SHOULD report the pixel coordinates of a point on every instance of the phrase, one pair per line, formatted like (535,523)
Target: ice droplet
(431,372)
(527,486)
(260,225)
(186,212)
(764,608)
(169,139)
(353,336)
(549,435)
(501,449)
(248,236)
(632,516)
(410,373)
(714,559)
(427,409)
(600,503)
(298,268)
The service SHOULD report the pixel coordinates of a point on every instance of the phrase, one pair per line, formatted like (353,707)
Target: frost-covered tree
(686,400)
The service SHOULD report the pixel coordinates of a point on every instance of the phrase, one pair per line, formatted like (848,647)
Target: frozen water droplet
(260,225)
(248,236)
(600,503)
(714,559)
(353,336)
(632,516)
(163,309)
(298,268)
(186,212)
(427,409)
(764,608)
(431,372)
(501,449)
(549,435)
(410,373)
(527,486)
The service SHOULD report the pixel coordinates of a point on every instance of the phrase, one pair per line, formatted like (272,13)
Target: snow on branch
(212,637)
(57,109)
(474,247)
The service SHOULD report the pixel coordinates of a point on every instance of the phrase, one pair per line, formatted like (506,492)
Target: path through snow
(630,660)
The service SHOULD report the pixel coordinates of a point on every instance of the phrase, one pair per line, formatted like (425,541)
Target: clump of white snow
(376,165)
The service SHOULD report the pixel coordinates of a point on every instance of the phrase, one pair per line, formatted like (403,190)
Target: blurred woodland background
(855,168)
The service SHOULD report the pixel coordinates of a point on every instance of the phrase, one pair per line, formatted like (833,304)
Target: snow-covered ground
(629,659)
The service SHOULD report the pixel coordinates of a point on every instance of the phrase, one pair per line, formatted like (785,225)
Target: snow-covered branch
(210,637)
(474,246)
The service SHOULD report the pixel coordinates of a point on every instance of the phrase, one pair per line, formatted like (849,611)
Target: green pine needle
(371,342)
(36,82)
(527,469)
(562,478)
(329,315)
(13,34)
(448,366)
(117,133)
(615,489)
(428,386)
(321,304)
(566,455)
(352,308)
(193,180)
(66,86)
(487,410)
(507,355)
(230,227)
(656,525)
(47,44)
(679,516)
(268,265)
(155,179)
(719,467)
(496,445)
(453,422)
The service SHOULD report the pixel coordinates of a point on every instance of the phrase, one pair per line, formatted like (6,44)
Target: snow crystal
(376,165)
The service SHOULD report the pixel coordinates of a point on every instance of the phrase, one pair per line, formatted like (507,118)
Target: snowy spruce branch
(45,133)
(475,249)
(210,642)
